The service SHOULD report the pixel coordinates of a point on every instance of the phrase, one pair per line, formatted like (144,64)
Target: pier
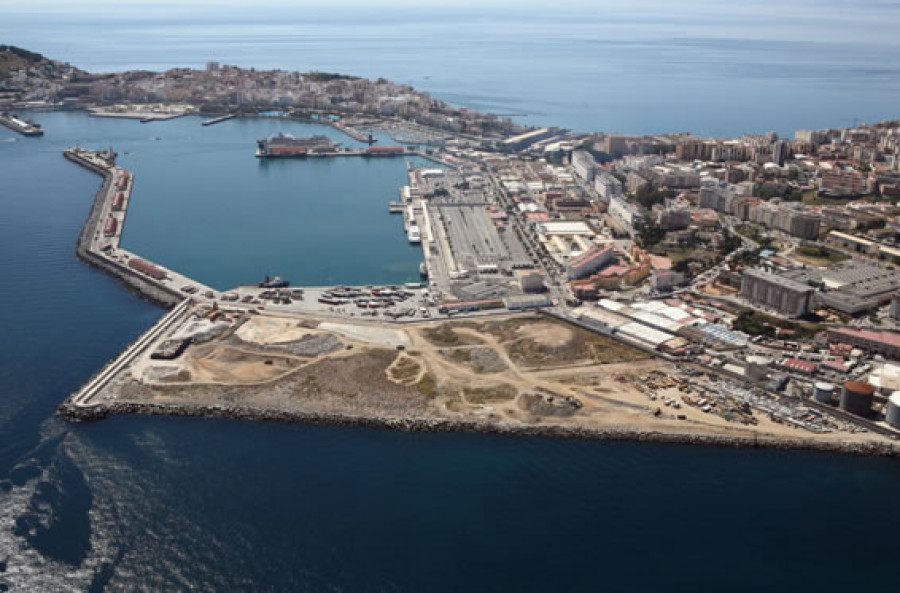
(373,151)
(220,119)
(353,133)
(24,127)
(99,241)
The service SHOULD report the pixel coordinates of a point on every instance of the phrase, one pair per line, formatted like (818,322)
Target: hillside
(12,58)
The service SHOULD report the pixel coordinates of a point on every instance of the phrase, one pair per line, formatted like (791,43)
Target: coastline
(411,423)
(443,425)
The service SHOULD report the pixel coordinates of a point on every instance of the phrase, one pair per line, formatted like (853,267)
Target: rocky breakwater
(437,424)
(97,162)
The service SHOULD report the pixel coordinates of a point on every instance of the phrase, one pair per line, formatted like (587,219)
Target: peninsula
(730,291)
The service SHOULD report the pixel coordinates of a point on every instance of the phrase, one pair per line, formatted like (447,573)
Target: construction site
(515,373)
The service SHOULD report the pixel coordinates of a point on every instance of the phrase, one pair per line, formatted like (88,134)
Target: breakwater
(139,285)
(440,425)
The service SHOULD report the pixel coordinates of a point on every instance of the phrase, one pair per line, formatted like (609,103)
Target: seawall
(411,424)
(125,276)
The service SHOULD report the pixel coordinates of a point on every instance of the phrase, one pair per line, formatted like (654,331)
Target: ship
(413,234)
(274,282)
(287,145)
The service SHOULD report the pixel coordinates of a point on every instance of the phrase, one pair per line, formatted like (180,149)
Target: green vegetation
(461,355)
(13,58)
(405,369)
(651,235)
(427,386)
(483,395)
(753,324)
(648,197)
(760,324)
(820,254)
(327,76)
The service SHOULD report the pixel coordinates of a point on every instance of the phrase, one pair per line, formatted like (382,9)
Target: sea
(708,67)
(184,504)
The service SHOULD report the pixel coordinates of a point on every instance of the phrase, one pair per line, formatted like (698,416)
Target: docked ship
(287,145)
(413,234)
(274,282)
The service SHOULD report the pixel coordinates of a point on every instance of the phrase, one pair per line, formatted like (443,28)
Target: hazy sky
(807,20)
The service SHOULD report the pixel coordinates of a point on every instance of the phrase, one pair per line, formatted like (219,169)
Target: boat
(413,235)
(423,270)
(274,282)
(287,145)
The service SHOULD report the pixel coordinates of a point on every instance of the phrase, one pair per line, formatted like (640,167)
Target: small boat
(274,282)
(413,234)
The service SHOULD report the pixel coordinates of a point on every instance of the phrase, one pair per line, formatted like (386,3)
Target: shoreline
(444,425)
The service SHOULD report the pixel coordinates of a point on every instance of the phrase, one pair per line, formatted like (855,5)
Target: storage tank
(823,392)
(856,398)
(892,410)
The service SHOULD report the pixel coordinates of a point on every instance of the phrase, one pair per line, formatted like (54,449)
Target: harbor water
(177,504)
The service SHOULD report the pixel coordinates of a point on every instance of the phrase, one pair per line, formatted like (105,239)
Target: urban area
(743,286)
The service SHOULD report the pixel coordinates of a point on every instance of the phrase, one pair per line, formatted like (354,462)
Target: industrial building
(786,296)
(627,213)
(589,262)
(877,342)
(584,165)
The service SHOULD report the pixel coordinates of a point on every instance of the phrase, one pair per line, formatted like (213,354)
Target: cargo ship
(287,145)
(274,282)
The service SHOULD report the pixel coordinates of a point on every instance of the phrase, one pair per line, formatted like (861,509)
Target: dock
(374,151)
(220,119)
(99,241)
(24,127)
(353,133)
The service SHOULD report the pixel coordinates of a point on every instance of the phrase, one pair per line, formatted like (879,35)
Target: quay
(98,243)
(219,119)
(24,127)
(353,132)
(372,151)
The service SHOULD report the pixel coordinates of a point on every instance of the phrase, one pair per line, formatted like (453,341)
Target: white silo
(892,410)
(823,392)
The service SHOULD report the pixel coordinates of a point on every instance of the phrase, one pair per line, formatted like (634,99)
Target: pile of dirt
(480,359)
(310,345)
(404,369)
(549,404)
(492,394)
(444,336)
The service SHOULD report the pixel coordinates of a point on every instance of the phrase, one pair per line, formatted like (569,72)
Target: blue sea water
(176,504)
(173,504)
(649,66)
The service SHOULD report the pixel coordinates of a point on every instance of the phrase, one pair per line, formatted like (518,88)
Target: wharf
(220,119)
(353,133)
(364,152)
(23,127)
(99,241)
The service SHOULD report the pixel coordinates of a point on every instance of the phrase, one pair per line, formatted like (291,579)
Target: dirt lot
(525,370)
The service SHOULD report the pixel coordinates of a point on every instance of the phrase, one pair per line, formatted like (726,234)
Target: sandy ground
(481,370)
(370,334)
(271,330)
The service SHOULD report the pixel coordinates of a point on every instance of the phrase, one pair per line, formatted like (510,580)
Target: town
(763,270)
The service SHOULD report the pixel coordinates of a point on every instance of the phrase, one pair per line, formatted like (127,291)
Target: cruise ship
(414,235)
(287,145)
